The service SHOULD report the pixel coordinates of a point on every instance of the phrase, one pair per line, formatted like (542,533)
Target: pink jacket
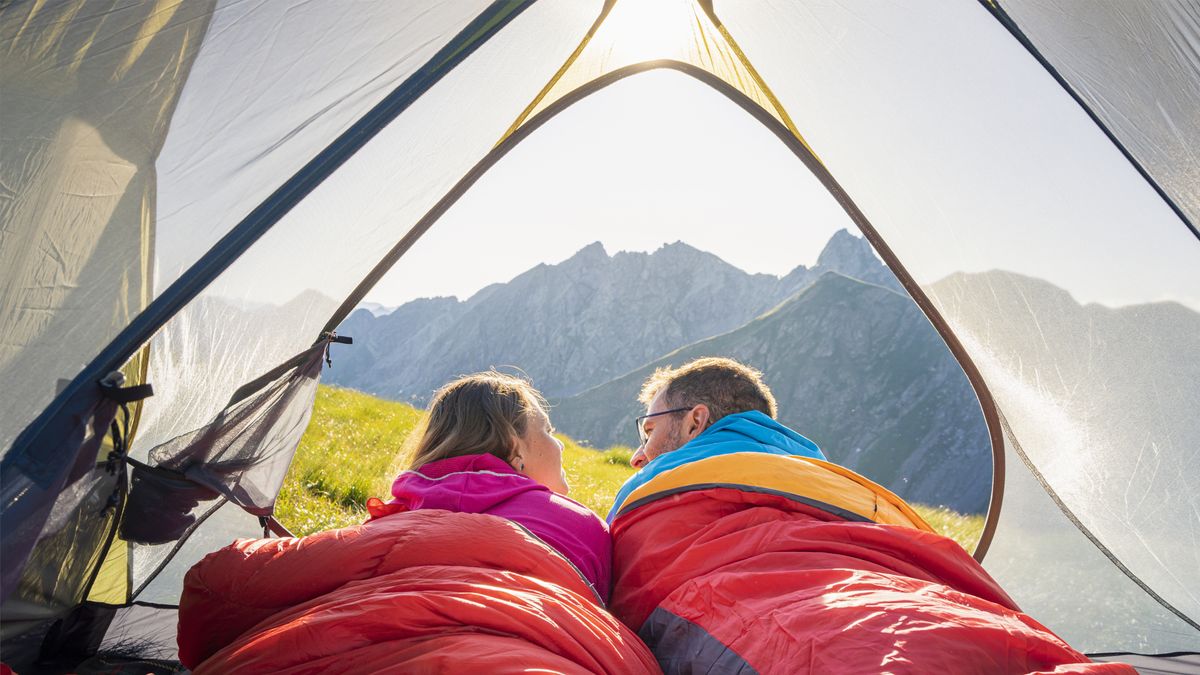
(487,484)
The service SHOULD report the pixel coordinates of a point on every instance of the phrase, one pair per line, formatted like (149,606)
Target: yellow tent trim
(112,581)
(780,112)
(635,32)
(534,104)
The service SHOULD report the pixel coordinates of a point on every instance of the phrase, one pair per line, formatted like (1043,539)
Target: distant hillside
(855,367)
(577,324)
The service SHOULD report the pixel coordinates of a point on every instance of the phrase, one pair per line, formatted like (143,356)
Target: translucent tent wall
(244,127)
(279,151)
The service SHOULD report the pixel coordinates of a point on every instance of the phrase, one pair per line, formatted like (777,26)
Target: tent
(175,176)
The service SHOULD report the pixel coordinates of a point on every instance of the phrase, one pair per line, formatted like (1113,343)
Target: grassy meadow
(352,450)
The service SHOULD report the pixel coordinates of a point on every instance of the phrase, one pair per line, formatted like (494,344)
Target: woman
(457,573)
(487,447)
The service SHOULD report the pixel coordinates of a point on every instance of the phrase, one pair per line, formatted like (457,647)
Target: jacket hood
(468,484)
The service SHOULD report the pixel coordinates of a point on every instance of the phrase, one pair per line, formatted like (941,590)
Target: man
(738,549)
(722,397)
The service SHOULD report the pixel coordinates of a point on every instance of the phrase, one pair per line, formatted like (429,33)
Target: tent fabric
(751,581)
(232,348)
(58,535)
(136,138)
(110,629)
(627,34)
(942,199)
(243,456)
(1139,437)
(420,591)
(85,111)
(90,91)
(1124,60)
(244,453)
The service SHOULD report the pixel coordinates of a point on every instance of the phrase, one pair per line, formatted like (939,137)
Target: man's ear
(695,421)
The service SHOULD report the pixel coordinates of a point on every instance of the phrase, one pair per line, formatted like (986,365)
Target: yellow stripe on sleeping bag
(809,479)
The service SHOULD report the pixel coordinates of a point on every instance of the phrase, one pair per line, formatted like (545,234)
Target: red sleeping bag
(739,578)
(417,592)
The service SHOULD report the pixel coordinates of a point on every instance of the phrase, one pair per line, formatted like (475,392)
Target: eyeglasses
(640,422)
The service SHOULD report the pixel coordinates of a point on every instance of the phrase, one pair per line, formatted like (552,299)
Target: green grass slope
(352,451)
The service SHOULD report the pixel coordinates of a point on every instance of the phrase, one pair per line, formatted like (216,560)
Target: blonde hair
(724,385)
(476,414)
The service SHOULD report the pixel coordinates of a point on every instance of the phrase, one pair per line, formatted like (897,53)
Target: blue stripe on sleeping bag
(683,647)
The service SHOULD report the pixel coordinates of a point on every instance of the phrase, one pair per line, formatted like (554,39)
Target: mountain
(1099,364)
(573,325)
(375,308)
(847,255)
(853,362)
(857,368)
(385,346)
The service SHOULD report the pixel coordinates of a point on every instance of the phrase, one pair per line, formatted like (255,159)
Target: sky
(659,157)
(956,144)
(651,160)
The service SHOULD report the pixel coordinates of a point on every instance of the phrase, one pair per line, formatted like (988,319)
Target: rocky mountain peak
(677,247)
(852,256)
(574,324)
(681,253)
(846,252)
(591,254)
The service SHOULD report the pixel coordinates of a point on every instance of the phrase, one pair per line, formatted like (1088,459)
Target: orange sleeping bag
(415,592)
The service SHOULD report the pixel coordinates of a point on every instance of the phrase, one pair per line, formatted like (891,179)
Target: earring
(522,467)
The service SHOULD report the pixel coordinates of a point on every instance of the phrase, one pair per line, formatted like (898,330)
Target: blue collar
(750,431)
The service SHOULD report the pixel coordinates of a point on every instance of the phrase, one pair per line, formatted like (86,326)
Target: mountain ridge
(595,319)
(609,313)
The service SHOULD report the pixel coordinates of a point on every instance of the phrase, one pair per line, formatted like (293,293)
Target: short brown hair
(724,385)
(476,414)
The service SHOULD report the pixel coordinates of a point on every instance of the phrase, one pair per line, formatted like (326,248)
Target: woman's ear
(516,458)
